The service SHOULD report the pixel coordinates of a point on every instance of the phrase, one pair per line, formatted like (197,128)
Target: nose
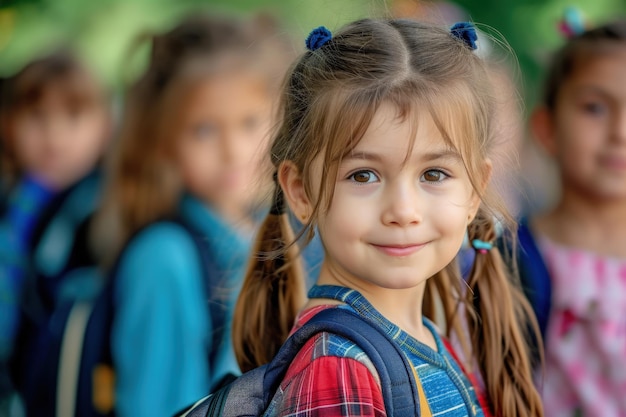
(231,146)
(54,134)
(401,205)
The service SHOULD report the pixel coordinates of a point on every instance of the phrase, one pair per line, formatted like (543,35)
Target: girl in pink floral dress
(582,240)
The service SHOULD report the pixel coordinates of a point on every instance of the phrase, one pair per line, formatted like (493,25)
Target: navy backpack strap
(534,276)
(398,383)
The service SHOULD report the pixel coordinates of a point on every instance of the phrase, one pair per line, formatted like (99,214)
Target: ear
(475,201)
(542,127)
(291,181)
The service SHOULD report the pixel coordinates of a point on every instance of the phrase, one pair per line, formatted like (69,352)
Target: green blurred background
(103,30)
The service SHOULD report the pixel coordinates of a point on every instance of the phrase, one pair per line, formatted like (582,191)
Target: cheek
(348,219)
(575,155)
(29,147)
(26,133)
(89,139)
(451,217)
(197,167)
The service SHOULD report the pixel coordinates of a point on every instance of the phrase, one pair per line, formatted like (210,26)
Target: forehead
(393,130)
(603,72)
(420,125)
(227,92)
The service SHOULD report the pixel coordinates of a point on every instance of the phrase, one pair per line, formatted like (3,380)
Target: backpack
(67,368)
(54,251)
(251,393)
(534,276)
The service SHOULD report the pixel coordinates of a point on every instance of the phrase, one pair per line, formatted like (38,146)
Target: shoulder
(328,348)
(160,271)
(164,237)
(329,374)
(161,249)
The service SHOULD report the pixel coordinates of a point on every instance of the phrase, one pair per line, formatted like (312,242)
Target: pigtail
(498,331)
(273,291)
(443,304)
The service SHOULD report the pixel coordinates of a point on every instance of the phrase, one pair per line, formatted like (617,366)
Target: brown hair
(145,184)
(576,52)
(329,99)
(61,72)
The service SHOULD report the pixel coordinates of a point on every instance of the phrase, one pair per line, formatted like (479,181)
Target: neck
(238,218)
(402,307)
(598,225)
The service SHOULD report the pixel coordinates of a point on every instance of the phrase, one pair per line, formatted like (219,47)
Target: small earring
(303,217)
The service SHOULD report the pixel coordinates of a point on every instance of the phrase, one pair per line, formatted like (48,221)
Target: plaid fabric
(333,377)
(329,377)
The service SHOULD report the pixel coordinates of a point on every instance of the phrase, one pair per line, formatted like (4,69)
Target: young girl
(582,125)
(383,148)
(54,125)
(192,147)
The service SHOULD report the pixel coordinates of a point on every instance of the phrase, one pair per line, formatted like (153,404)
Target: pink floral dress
(585,370)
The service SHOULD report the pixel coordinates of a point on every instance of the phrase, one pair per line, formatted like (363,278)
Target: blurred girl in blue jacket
(191,146)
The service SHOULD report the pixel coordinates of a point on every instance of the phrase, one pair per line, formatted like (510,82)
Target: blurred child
(192,147)
(54,126)
(582,300)
(383,148)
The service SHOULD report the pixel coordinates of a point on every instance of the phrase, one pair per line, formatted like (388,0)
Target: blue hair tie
(466,32)
(317,38)
(482,246)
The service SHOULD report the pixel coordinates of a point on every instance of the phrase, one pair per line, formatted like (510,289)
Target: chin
(403,284)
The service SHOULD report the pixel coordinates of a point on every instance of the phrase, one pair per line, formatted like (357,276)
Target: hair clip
(317,38)
(481,246)
(572,24)
(466,32)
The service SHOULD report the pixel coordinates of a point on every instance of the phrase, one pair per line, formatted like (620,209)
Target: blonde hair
(145,183)
(329,99)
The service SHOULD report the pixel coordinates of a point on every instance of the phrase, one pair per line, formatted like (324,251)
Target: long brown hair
(329,99)
(145,183)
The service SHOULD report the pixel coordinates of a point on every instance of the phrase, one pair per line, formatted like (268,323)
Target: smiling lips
(399,250)
(614,163)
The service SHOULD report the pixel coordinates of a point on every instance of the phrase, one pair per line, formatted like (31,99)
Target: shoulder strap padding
(394,370)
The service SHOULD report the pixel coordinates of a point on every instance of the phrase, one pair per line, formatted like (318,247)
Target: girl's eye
(363,177)
(594,108)
(434,175)
(204,130)
(251,123)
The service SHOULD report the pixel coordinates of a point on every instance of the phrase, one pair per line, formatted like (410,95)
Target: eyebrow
(447,154)
(366,156)
(592,89)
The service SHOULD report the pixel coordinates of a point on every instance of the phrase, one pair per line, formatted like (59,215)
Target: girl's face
(56,143)
(223,139)
(588,132)
(396,219)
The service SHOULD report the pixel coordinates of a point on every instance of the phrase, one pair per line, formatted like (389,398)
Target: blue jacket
(163,329)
